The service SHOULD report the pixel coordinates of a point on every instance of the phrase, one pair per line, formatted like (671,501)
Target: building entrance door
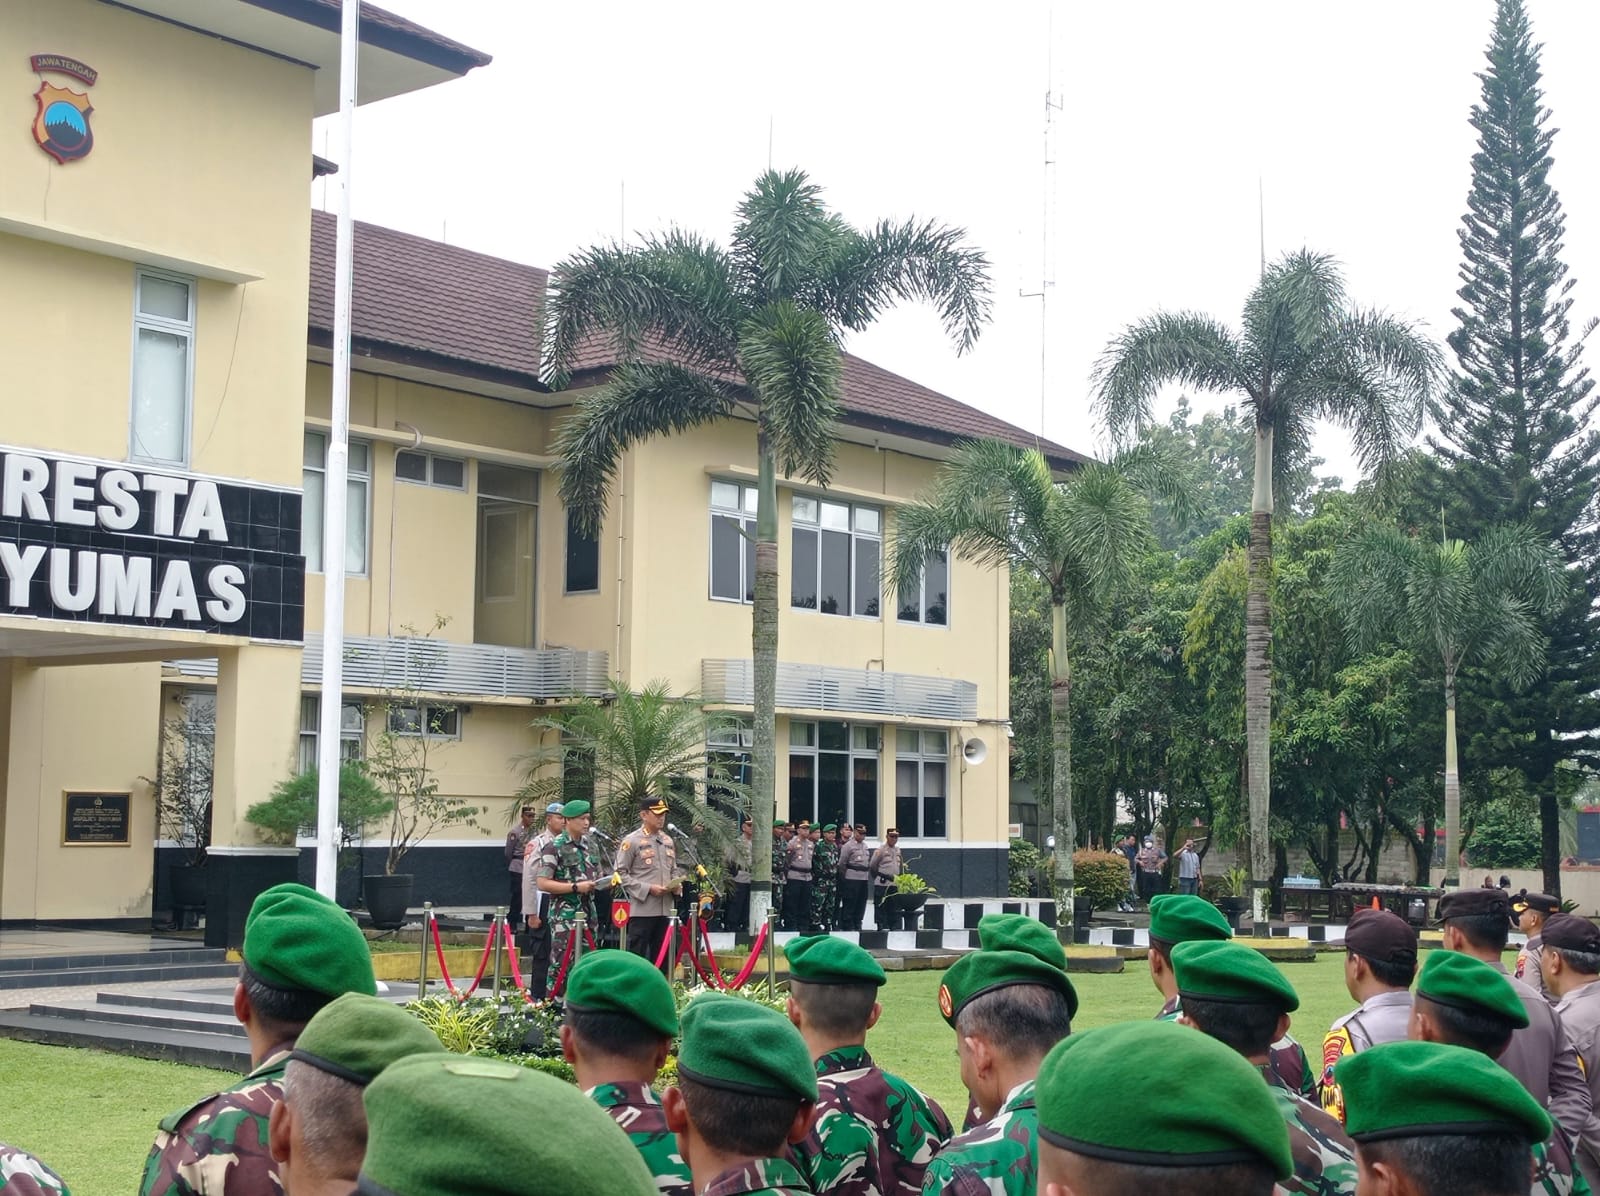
(504,607)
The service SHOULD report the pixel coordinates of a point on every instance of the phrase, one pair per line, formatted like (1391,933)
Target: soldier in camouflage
(570,872)
(780,864)
(1236,995)
(23,1175)
(301,951)
(825,880)
(874,1134)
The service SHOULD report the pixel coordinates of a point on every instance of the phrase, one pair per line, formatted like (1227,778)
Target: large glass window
(428,469)
(163,368)
(927,600)
(728,758)
(733,542)
(352,730)
(833,773)
(838,550)
(358,497)
(921,777)
(427,720)
(583,559)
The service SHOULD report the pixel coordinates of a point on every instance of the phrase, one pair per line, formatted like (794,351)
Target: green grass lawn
(92,1116)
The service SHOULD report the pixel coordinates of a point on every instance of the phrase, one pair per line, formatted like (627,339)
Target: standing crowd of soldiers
(1449,1079)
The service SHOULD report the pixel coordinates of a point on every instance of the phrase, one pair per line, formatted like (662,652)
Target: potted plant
(291,810)
(1235,899)
(1100,880)
(182,790)
(908,894)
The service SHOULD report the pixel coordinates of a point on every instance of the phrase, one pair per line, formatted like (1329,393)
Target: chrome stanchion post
(772,953)
(672,944)
(578,925)
(422,961)
(494,940)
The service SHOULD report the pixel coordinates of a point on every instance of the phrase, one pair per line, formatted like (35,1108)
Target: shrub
(1100,876)
(1022,864)
(909,883)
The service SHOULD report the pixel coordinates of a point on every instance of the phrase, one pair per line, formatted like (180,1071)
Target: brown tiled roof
(876,399)
(432,304)
(386,31)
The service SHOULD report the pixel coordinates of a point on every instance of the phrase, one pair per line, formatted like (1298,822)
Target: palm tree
(1302,354)
(1481,603)
(636,745)
(706,334)
(1000,506)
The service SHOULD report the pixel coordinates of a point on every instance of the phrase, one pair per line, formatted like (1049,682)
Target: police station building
(164,412)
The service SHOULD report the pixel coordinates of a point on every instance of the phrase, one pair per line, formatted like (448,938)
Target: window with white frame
(733,546)
(833,773)
(837,551)
(428,469)
(728,758)
(921,783)
(927,600)
(426,719)
(352,731)
(163,368)
(357,507)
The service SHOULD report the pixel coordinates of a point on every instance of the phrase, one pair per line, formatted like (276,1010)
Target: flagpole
(338,468)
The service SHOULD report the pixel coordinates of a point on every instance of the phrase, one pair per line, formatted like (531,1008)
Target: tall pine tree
(1516,441)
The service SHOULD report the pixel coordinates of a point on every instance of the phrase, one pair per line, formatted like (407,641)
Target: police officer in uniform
(799,854)
(647,863)
(884,865)
(1571,964)
(1531,911)
(855,860)
(535,903)
(1380,963)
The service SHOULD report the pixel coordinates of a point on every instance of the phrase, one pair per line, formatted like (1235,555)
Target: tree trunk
(1064,825)
(1258,672)
(764,663)
(1549,823)
(1452,791)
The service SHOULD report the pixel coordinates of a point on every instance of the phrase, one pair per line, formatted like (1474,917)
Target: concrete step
(224,1051)
(217,1003)
(101,1012)
(156,956)
(114,973)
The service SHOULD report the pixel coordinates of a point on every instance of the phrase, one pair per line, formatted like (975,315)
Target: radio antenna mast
(1052,104)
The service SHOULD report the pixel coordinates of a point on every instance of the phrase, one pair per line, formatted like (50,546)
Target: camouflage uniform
(220,1145)
(1290,1067)
(824,885)
(1548,1179)
(23,1175)
(998,1158)
(567,861)
(1324,1156)
(780,866)
(759,1177)
(874,1133)
(637,1109)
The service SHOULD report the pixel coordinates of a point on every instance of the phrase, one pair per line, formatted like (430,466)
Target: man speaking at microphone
(647,864)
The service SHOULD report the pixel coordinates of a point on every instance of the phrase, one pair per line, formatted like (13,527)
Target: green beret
(1451,978)
(1415,1089)
(832,826)
(575,809)
(356,1036)
(440,1125)
(823,959)
(622,982)
(1108,1094)
(1183,918)
(1231,973)
(296,938)
(1012,949)
(740,1046)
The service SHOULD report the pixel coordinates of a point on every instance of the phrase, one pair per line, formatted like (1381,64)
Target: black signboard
(101,542)
(92,819)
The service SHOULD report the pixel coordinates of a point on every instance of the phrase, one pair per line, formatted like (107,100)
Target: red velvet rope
(661,955)
(755,955)
(438,950)
(516,967)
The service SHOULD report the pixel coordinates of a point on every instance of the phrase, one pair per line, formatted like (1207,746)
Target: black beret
(1475,903)
(1567,932)
(1380,935)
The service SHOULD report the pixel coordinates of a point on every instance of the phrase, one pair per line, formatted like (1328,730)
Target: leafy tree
(637,745)
(1505,834)
(1030,681)
(1302,353)
(708,334)
(291,808)
(1516,442)
(1000,506)
(1458,603)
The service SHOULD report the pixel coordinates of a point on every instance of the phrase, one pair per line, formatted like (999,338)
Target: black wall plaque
(101,542)
(96,819)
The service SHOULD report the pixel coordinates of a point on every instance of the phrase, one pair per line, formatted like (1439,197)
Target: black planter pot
(899,910)
(1082,912)
(1234,909)
(388,898)
(188,886)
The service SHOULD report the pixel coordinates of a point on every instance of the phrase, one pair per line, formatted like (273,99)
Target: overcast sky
(601,117)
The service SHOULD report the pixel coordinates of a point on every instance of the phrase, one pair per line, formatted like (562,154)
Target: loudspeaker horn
(974,751)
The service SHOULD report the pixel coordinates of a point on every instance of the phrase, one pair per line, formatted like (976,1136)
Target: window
(837,549)
(921,771)
(352,730)
(583,559)
(927,600)
(728,750)
(433,721)
(163,368)
(733,544)
(833,773)
(358,492)
(428,470)
(577,771)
